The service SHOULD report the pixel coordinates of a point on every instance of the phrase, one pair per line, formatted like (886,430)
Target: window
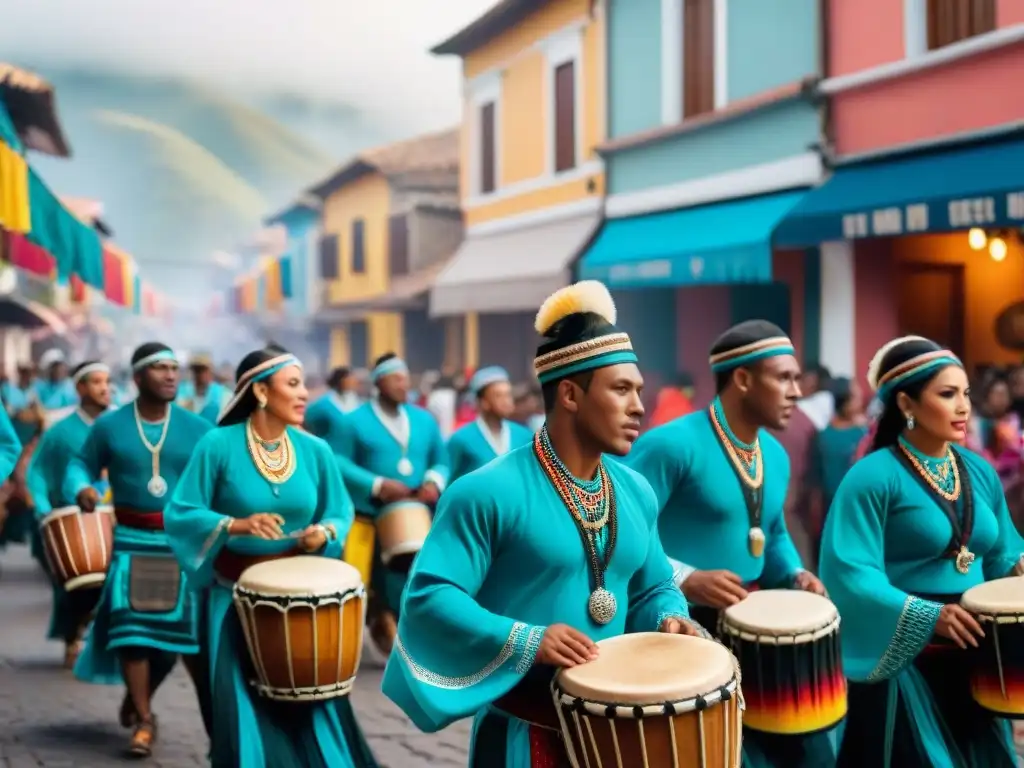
(329,257)
(565,116)
(488,150)
(358,246)
(950,21)
(699,57)
(398,244)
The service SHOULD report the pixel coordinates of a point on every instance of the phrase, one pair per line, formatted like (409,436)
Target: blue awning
(720,243)
(941,191)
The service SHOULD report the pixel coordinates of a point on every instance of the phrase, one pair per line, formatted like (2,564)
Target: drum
(402,528)
(652,700)
(359,546)
(78,545)
(787,643)
(997,675)
(303,622)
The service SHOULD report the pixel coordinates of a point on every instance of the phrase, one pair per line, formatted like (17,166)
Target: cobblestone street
(49,719)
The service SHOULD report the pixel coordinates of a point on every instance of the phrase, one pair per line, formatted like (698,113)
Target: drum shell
(301,648)
(998,665)
(792,684)
(402,528)
(78,545)
(694,739)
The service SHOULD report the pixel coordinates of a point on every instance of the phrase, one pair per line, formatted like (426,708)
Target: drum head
(407,506)
(996,598)
(778,612)
(300,576)
(650,668)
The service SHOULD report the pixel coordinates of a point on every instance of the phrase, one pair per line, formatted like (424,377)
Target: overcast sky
(370,53)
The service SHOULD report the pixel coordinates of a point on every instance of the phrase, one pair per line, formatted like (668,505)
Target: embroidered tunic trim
(913,631)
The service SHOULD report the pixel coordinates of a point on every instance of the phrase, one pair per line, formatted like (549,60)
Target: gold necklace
(952,495)
(752,457)
(277,465)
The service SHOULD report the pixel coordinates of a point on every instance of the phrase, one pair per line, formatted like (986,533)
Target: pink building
(919,225)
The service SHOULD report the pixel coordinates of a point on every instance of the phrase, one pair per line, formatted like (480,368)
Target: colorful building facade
(531,181)
(389,222)
(713,127)
(919,222)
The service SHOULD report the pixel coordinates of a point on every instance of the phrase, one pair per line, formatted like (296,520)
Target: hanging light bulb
(976,238)
(997,248)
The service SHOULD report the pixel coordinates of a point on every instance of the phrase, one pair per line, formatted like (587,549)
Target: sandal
(128,717)
(143,739)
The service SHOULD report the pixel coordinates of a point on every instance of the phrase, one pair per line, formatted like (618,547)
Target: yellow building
(531,182)
(390,221)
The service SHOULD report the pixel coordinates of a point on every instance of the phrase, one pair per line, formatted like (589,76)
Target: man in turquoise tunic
(721,481)
(10,447)
(389,451)
(56,448)
(202,394)
(493,433)
(539,554)
(147,613)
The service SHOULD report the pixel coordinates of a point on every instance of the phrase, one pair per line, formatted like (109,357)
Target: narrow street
(49,719)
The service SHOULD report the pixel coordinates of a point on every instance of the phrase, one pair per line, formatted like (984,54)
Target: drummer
(721,483)
(539,554)
(58,445)
(493,433)
(390,451)
(258,489)
(913,525)
(147,613)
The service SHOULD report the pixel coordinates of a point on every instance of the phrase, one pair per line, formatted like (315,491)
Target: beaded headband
(156,357)
(389,366)
(87,370)
(611,349)
(750,353)
(260,372)
(914,368)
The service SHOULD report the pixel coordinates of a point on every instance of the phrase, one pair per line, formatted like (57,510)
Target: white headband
(87,370)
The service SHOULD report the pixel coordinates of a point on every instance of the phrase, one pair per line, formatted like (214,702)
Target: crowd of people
(506,532)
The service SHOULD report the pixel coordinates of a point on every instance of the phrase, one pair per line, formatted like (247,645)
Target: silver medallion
(405,466)
(602,605)
(156,486)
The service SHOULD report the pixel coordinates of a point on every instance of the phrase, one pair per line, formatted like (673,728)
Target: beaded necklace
(748,465)
(274,460)
(591,503)
(950,483)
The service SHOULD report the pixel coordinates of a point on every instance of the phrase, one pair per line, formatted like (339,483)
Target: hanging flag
(79,295)
(15,214)
(285,270)
(136,294)
(26,255)
(113,275)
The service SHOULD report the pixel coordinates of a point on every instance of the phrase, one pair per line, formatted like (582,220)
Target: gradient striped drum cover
(997,675)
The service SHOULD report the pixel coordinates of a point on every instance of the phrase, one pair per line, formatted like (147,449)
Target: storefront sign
(963,213)
(1010,326)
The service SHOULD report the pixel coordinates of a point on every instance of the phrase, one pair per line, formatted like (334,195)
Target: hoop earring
(910,421)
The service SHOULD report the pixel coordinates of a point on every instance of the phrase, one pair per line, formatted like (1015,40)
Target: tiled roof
(30,102)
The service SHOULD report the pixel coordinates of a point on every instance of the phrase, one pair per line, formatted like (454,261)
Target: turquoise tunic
(503,561)
(55,394)
(881,557)
(45,477)
(114,444)
(473,446)
(323,415)
(17,399)
(208,406)
(222,482)
(369,451)
(833,456)
(10,447)
(703,521)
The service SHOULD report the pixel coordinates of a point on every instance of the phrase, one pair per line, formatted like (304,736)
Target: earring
(261,403)
(910,421)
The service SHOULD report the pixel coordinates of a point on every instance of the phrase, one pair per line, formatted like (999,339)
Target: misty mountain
(184,169)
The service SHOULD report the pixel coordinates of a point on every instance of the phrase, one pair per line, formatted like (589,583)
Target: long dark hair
(245,407)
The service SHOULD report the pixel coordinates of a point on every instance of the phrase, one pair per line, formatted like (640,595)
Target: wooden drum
(402,528)
(997,676)
(787,643)
(303,621)
(78,545)
(652,700)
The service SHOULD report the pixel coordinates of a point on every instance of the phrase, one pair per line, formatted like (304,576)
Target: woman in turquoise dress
(913,525)
(259,488)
